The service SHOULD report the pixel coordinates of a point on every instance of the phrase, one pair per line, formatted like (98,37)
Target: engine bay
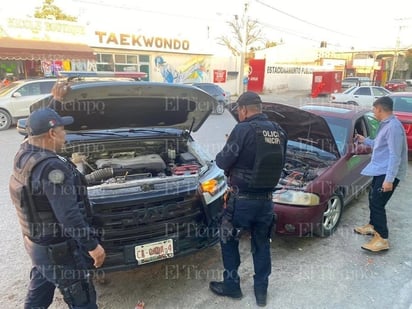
(115,162)
(300,169)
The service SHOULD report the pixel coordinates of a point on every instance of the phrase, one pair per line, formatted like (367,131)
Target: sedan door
(363,96)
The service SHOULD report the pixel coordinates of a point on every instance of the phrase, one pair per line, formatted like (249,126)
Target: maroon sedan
(402,108)
(396,85)
(323,165)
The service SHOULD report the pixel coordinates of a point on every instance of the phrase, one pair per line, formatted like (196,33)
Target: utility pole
(243,51)
(397,45)
(395,55)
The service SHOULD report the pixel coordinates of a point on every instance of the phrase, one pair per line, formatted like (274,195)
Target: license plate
(154,251)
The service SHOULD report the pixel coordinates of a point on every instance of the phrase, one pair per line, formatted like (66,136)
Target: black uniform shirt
(55,180)
(239,150)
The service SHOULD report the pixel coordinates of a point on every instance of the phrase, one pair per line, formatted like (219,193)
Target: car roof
(337,110)
(356,78)
(400,94)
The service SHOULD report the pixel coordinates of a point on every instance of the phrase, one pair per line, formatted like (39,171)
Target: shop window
(120,59)
(125,68)
(144,58)
(145,68)
(108,58)
(131,59)
(123,63)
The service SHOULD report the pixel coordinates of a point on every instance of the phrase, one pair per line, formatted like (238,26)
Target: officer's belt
(253,196)
(45,248)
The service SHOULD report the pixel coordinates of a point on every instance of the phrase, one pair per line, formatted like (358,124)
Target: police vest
(35,214)
(269,158)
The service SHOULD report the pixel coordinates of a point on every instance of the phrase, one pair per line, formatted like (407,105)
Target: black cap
(248,98)
(42,120)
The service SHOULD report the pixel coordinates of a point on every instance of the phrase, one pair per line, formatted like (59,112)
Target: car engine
(300,169)
(118,162)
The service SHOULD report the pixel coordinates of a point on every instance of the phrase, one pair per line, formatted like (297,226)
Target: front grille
(173,210)
(127,223)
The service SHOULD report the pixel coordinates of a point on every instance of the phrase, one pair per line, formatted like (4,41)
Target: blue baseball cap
(42,120)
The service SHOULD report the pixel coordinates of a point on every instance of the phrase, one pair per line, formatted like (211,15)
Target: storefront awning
(16,49)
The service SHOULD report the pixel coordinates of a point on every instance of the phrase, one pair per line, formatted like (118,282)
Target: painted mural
(194,70)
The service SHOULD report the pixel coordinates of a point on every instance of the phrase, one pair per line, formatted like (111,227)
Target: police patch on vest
(56,177)
(271,137)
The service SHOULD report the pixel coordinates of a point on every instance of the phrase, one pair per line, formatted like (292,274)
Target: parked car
(396,85)
(323,164)
(16,98)
(402,108)
(408,82)
(363,95)
(155,193)
(349,82)
(222,97)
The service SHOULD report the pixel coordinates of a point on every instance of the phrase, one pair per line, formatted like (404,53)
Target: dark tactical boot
(219,288)
(261,296)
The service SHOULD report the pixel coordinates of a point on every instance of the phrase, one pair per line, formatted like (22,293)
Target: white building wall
(290,67)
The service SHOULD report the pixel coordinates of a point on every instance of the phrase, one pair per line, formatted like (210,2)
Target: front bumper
(297,220)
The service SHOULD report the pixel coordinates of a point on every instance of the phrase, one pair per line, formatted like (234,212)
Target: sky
(343,25)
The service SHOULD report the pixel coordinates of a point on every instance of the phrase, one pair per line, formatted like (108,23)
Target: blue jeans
(257,217)
(377,203)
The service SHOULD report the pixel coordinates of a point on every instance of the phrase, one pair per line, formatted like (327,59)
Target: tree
(234,43)
(49,9)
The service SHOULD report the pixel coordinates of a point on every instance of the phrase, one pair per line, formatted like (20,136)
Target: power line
(302,20)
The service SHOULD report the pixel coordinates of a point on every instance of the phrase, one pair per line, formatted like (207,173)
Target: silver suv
(349,82)
(16,98)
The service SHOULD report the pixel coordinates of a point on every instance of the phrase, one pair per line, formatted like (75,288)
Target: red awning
(16,49)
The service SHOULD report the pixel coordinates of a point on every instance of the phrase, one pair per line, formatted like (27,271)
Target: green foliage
(49,9)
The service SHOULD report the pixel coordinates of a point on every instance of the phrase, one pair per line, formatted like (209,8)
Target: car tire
(5,120)
(331,216)
(220,108)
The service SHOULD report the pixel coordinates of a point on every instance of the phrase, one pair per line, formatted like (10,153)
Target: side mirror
(21,127)
(16,95)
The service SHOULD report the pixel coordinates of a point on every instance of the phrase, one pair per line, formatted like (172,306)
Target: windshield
(309,151)
(340,131)
(9,88)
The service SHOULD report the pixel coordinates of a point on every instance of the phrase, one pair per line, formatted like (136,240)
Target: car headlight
(214,185)
(297,198)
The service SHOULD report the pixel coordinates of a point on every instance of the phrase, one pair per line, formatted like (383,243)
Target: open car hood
(300,125)
(133,104)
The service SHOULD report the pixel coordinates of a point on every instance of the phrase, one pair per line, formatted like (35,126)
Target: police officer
(51,201)
(252,159)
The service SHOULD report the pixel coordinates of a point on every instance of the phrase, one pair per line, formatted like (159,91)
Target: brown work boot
(367,229)
(376,244)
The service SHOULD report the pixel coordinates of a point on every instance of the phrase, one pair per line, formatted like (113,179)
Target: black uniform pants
(257,217)
(70,274)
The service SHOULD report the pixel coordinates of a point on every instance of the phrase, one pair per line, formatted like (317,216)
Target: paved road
(307,272)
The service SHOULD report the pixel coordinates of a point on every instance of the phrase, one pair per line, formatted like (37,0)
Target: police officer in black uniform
(252,159)
(50,197)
